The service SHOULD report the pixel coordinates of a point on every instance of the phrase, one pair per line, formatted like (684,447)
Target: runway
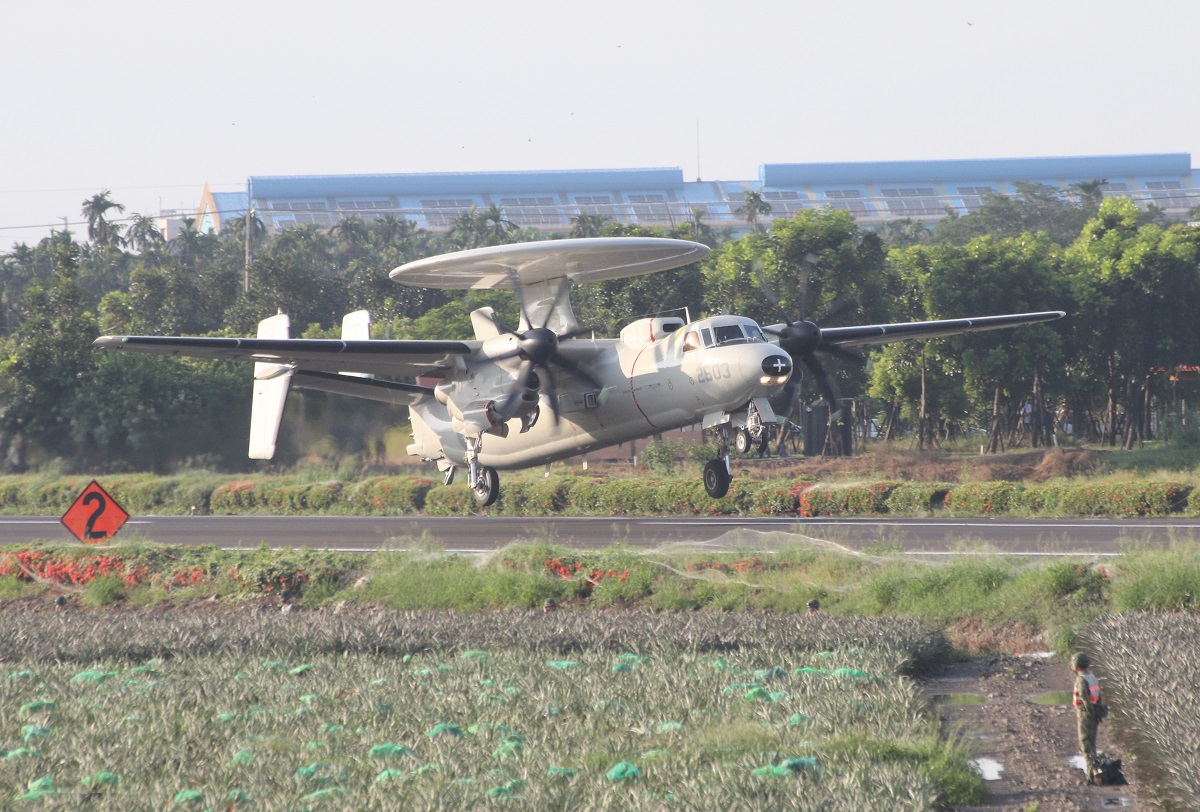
(485,533)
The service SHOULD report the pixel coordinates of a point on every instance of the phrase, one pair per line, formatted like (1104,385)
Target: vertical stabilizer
(271,383)
(356,326)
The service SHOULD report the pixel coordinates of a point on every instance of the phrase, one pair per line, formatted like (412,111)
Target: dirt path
(1032,743)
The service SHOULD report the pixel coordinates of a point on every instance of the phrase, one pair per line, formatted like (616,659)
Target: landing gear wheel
(487,488)
(716,478)
(741,441)
(764,443)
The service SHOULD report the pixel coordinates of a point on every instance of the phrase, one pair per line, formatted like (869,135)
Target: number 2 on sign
(96,514)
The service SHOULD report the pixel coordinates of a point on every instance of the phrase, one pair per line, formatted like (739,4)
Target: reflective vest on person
(1093,691)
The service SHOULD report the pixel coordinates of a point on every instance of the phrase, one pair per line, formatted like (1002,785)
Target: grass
(978,594)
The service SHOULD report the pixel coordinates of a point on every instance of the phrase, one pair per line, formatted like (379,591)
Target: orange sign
(94,517)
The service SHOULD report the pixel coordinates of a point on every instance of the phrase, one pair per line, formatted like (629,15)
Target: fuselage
(660,375)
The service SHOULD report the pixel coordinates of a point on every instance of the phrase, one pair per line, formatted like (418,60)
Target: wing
(395,359)
(872,334)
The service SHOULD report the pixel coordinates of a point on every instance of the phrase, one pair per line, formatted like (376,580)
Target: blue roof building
(874,192)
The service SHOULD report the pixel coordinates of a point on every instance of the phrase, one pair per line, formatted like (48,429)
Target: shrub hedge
(605,495)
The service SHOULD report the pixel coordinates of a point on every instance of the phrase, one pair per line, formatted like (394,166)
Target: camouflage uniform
(1086,699)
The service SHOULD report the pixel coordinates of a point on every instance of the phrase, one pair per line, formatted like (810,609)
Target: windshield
(733,334)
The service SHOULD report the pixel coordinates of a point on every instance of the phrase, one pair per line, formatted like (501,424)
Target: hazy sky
(153,99)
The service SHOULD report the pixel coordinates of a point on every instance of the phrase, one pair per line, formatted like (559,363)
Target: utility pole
(249,248)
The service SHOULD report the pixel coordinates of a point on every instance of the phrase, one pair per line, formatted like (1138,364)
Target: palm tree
(100,231)
(352,235)
(585,224)
(753,207)
(143,233)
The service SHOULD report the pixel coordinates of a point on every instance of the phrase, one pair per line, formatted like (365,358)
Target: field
(384,710)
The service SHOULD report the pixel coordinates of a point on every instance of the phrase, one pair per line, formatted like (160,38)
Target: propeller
(538,349)
(801,339)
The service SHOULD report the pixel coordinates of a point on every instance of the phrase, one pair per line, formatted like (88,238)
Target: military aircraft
(479,404)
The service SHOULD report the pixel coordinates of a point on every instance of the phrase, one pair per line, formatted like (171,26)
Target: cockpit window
(732,334)
(691,341)
(754,333)
(707,334)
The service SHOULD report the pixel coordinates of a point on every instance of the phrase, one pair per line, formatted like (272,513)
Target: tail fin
(271,383)
(356,326)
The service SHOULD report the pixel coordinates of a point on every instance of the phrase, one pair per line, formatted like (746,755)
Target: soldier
(1088,709)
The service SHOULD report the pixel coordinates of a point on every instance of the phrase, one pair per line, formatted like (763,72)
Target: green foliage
(917,498)
(660,456)
(982,498)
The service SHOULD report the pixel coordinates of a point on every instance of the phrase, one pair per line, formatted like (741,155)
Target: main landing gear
(486,486)
(485,482)
(717,476)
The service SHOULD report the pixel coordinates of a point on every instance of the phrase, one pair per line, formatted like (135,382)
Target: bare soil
(1033,743)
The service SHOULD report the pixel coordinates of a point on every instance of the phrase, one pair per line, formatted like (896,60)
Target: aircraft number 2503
(715,372)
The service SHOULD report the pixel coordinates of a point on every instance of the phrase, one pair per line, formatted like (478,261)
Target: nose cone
(777,366)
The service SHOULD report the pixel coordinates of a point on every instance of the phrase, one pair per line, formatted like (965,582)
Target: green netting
(91,677)
(300,669)
(718,663)
(476,656)
(853,673)
(314,745)
(101,778)
(24,673)
(228,717)
(242,757)
(739,688)
(237,796)
(38,789)
(390,775)
(326,794)
(623,771)
(40,706)
(669,727)
(328,728)
(563,665)
(317,773)
(816,672)
(308,699)
(188,796)
(797,719)
(22,752)
(756,693)
(34,733)
(509,790)
(656,753)
(621,667)
(633,659)
(559,772)
(799,765)
(774,672)
(507,750)
(390,750)
(443,729)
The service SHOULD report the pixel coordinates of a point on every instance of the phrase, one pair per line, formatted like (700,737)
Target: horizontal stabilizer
(271,383)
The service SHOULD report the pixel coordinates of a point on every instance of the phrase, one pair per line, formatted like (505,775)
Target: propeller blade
(551,392)
(825,383)
(575,368)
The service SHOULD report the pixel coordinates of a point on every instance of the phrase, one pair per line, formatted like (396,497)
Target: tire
(716,479)
(487,489)
(763,446)
(741,441)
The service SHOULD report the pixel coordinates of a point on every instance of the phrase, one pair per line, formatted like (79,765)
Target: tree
(47,361)
(1002,370)
(100,231)
(754,206)
(1137,285)
(143,234)
(586,224)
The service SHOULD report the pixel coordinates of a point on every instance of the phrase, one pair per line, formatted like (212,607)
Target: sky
(151,100)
